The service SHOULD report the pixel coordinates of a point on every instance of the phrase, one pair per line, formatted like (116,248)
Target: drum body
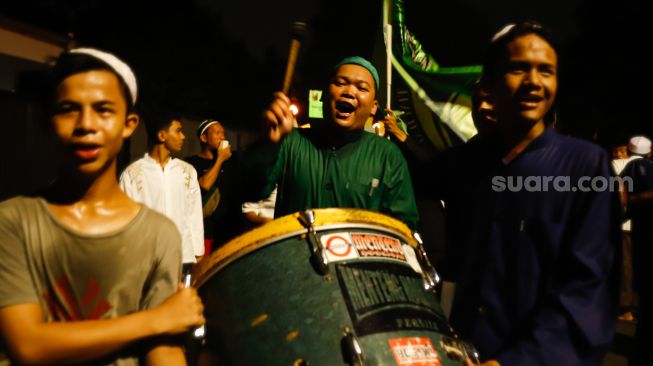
(267,303)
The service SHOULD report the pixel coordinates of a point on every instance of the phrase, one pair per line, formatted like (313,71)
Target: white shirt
(263,208)
(618,165)
(173,191)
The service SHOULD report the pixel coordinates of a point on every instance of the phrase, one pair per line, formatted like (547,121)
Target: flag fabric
(436,100)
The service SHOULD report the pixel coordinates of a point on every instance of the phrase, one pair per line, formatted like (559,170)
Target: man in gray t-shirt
(86,274)
(75,276)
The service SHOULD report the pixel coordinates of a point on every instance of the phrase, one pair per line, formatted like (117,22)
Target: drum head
(266,304)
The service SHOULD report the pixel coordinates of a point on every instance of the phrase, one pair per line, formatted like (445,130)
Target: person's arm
(257,212)
(278,118)
(421,154)
(255,218)
(632,196)
(639,198)
(164,350)
(390,122)
(165,355)
(469,362)
(31,341)
(195,216)
(209,178)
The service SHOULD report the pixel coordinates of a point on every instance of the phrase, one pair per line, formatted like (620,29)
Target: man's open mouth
(344,108)
(530,100)
(86,151)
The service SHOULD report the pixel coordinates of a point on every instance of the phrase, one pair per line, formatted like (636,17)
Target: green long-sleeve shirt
(366,172)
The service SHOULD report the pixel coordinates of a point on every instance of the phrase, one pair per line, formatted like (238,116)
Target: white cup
(224,144)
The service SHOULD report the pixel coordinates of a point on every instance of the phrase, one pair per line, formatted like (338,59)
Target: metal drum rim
(269,233)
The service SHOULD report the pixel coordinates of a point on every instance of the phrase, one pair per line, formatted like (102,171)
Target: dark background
(224,59)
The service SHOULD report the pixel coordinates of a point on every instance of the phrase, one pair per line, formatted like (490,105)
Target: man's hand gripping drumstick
(278,118)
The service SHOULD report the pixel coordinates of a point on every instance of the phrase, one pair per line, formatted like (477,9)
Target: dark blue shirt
(536,285)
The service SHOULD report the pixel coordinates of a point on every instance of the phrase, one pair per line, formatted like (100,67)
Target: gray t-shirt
(75,276)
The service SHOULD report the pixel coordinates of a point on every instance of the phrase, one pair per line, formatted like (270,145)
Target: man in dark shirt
(216,175)
(535,280)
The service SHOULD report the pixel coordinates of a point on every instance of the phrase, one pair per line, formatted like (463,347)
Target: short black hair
(74,63)
(156,121)
(497,49)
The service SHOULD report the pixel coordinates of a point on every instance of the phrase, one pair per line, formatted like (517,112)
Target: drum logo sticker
(384,296)
(338,247)
(414,352)
(375,245)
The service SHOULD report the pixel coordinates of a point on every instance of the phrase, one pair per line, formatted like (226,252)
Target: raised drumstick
(298,30)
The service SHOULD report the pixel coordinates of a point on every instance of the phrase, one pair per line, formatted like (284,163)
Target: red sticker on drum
(414,352)
(338,247)
(374,245)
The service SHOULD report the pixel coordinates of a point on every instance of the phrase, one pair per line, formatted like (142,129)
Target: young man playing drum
(88,275)
(336,163)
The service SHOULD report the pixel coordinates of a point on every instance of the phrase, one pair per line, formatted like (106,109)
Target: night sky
(223,59)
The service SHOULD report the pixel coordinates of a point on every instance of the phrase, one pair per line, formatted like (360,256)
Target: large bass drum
(324,287)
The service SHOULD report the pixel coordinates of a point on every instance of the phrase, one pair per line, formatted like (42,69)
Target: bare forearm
(165,355)
(208,180)
(399,134)
(31,341)
(637,198)
(255,218)
(72,342)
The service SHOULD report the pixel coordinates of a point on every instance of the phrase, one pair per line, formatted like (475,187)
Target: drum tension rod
(198,332)
(354,348)
(429,274)
(471,352)
(318,255)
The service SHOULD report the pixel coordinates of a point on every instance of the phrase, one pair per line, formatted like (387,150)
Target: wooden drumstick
(387,33)
(298,30)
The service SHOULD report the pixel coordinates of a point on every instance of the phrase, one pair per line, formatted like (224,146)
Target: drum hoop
(260,237)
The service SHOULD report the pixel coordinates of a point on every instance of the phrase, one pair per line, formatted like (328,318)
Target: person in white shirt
(638,147)
(260,212)
(168,185)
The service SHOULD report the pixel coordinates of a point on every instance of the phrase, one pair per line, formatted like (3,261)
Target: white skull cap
(502,32)
(118,65)
(640,145)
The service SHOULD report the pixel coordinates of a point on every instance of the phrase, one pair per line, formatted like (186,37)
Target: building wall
(26,155)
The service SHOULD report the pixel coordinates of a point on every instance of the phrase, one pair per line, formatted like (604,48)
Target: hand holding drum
(180,312)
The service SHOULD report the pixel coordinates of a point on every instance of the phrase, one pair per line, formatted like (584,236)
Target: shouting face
(352,97)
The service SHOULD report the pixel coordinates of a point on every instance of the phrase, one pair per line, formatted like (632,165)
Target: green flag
(436,100)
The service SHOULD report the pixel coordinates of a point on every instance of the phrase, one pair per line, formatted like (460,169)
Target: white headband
(118,65)
(206,124)
(502,32)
